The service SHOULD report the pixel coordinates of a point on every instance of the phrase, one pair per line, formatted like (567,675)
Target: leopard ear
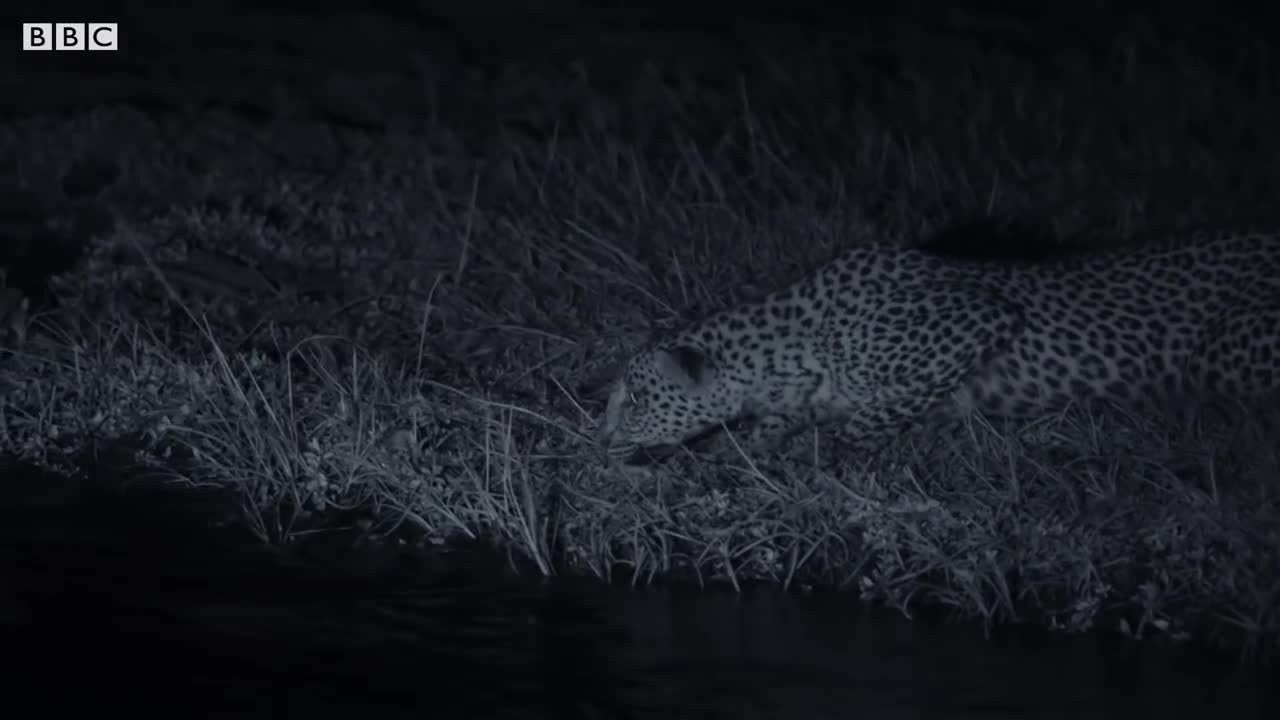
(688,367)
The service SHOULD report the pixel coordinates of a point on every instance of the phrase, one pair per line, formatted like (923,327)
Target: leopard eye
(634,397)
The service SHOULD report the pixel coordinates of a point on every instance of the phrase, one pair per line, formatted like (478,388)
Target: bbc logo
(70,36)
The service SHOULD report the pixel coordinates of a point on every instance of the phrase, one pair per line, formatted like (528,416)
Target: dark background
(237,54)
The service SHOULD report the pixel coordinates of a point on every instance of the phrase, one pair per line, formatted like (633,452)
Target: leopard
(890,336)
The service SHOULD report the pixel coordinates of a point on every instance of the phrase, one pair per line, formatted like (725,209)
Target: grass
(415,327)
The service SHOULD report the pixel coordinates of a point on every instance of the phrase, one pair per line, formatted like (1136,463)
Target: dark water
(769,655)
(139,601)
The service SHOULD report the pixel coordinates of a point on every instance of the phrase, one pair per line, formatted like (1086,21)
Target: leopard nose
(604,434)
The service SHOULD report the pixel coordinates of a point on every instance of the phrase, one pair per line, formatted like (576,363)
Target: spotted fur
(887,335)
